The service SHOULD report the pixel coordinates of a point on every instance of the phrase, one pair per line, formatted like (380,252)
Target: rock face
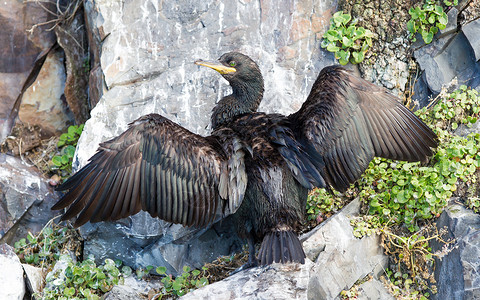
(453,53)
(457,273)
(25,199)
(42,103)
(23,49)
(146,55)
(336,260)
(12,286)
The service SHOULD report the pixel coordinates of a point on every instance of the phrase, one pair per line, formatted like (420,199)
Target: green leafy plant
(71,136)
(44,248)
(474,204)
(84,280)
(180,285)
(67,143)
(346,40)
(321,203)
(428,19)
(411,277)
(364,225)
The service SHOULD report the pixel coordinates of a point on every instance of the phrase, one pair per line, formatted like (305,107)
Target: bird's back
(274,199)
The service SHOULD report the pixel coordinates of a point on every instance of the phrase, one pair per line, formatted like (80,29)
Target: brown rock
(42,103)
(71,36)
(19,50)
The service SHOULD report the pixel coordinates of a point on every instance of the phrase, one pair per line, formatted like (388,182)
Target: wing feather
(162,168)
(346,121)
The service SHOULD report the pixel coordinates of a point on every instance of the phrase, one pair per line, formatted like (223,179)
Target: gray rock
(344,258)
(163,244)
(463,130)
(276,281)
(147,52)
(132,288)
(35,277)
(25,199)
(452,15)
(457,273)
(373,290)
(12,286)
(471,31)
(444,59)
(335,261)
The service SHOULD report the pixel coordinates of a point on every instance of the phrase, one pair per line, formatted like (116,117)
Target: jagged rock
(340,258)
(457,273)
(453,54)
(132,288)
(471,32)
(159,243)
(336,260)
(42,103)
(452,15)
(464,130)
(12,286)
(444,59)
(25,199)
(71,36)
(373,289)
(19,51)
(147,55)
(35,279)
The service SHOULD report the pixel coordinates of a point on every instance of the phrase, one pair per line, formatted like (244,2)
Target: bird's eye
(232,63)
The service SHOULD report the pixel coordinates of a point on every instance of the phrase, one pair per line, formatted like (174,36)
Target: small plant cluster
(44,249)
(403,191)
(180,285)
(428,19)
(346,40)
(322,204)
(412,277)
(365,225)
(459,107)
(84,280)
(66,144)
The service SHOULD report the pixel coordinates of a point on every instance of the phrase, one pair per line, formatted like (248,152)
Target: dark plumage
(256,166)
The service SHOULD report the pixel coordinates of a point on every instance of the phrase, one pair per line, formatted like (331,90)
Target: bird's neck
(245,98)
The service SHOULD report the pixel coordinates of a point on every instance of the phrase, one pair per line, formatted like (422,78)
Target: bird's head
(246,81)
(236,68)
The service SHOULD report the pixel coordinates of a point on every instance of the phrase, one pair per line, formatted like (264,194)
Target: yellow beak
(216,66)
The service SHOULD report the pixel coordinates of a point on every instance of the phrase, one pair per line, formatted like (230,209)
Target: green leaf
(414,12)
(161,270)
(347,43)
(332,48)
(346,18)
(443,19)
(57,160)
(431,18)
(411,26)
(427,37)
(70,151)
(324,43)
(69,291)
(342,56)
(65,159)
(441,26)
(358,57)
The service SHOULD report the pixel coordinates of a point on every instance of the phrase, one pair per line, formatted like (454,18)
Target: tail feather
(281,246)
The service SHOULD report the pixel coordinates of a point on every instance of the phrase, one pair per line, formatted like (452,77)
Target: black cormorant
(254,165)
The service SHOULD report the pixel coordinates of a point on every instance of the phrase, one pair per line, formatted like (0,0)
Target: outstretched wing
(162,168)
(346,121)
